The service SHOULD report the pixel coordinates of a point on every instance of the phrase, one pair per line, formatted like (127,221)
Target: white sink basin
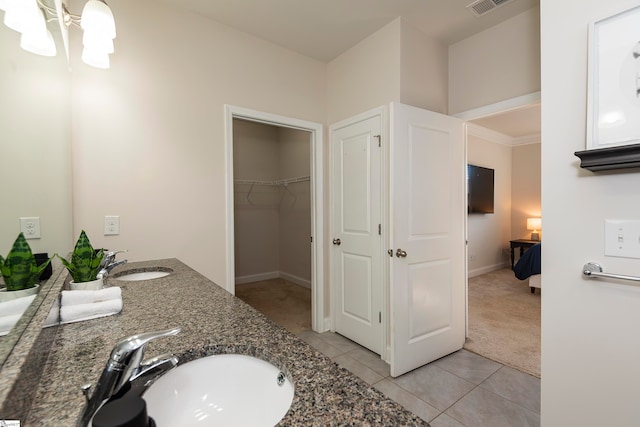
(220,390)
(141,275)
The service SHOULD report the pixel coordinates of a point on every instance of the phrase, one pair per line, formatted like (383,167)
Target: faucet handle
(123,350)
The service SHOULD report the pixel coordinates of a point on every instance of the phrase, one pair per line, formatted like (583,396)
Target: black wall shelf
(600,159)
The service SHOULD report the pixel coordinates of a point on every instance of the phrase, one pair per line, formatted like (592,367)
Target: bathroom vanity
(213,322)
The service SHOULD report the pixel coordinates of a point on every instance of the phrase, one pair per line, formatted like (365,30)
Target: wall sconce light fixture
(30,17)
(534,224)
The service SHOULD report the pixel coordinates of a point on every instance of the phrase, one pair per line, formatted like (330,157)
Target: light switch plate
(111,225)
(30,227)
(622,238)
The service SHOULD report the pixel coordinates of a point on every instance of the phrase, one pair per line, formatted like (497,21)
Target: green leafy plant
(85,261)
(19,269)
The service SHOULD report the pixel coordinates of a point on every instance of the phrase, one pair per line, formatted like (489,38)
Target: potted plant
(20,271)
(84,265)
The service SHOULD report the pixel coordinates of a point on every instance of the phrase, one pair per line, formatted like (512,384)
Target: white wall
(366,76)
(295,207)
(256,217)
(35,152)
(488,235)
(148,134)
(590,345)
(526,187)
(272,224)
(500,63)
(424,70)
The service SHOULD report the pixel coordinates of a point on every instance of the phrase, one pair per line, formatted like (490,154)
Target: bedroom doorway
(503,316)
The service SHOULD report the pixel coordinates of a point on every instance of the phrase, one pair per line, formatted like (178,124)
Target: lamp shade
(23,16)
(534,223)
(38,43)
(95,58)
(96,16)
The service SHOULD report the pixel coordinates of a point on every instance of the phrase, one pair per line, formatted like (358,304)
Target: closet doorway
(274,261)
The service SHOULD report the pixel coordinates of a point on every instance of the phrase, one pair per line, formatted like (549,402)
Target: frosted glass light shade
(95,41)
(38,43)
(23,15)
(96,16)
(95,58)
(4,4)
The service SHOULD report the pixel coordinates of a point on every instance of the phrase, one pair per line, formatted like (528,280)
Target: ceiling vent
(482,7)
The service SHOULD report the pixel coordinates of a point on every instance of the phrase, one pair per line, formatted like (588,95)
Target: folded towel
(79,312)
(11,311)
(7,322)
(87,297)
(15,306)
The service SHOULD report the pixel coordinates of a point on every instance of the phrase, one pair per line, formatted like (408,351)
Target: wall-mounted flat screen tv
(480,189)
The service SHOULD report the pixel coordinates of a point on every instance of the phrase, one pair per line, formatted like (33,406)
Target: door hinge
(311,239)
(380,229)
(379,138)
(379,317)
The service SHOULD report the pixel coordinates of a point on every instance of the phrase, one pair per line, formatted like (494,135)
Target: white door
(428,289)
(356,266)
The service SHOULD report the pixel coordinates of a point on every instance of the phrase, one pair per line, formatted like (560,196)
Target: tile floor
(459,390)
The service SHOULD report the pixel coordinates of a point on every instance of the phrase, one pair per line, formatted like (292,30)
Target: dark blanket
(529,263)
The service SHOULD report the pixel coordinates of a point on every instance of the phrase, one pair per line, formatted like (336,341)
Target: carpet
(504,321)
(286,303)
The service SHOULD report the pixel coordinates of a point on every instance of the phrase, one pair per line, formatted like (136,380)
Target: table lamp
(534,224)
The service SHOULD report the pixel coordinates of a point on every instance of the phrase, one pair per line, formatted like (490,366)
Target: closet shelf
(276,183)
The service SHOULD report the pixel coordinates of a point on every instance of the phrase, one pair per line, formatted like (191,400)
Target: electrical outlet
(30,227)
(111,225)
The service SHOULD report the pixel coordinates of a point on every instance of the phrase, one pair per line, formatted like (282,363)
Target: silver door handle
(401,254)
(593,269)
(336,242)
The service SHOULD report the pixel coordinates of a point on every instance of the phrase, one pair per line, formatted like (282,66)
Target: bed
(529,267)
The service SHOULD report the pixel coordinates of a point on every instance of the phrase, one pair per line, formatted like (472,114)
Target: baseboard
(306,283)
(257,277)
(274,275)
(486,269)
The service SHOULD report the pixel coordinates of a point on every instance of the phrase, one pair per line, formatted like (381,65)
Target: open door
(428,289)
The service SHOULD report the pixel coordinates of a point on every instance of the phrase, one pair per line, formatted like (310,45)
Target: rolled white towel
(15,306)
(87,297)
(80,312)
(7,322)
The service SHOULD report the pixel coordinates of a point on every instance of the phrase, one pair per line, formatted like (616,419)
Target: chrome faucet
(108,263)
(126,371)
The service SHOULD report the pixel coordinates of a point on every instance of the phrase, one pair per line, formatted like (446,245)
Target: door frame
(382,112)
(317,202)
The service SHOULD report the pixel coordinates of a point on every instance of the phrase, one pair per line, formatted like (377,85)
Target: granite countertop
(212,321)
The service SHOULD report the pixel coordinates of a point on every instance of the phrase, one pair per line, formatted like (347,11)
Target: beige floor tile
(516,386)
(482,408)
(444,420)
(358,369)
(469,366)
(371,360)
(434,385)
(407,400)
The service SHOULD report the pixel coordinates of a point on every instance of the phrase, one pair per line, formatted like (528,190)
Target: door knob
(336,242)
(400,253)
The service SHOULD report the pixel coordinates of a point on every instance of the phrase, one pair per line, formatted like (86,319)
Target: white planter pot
(6,295)
(94,285)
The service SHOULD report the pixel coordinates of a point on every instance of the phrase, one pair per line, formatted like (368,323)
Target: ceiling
(519,124)
(324,29)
